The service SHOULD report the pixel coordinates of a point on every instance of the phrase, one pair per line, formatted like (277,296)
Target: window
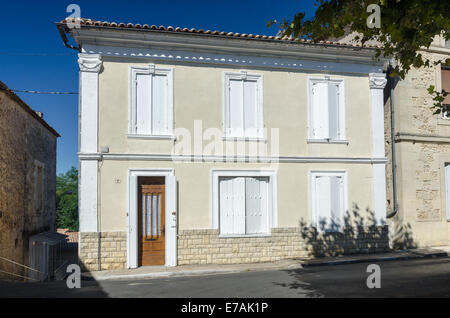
(447,189)
(151,111)
(39,186)
(244,105)
(326,109)
(243,205)
(328,200)
(445,79)
(244,202)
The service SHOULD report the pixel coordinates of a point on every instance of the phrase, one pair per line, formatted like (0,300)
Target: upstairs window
(326,109)
(151,111)
(328,203)
(244,106)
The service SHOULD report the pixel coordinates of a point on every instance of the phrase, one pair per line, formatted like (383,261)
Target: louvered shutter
(250,108)
(333,110)
(236,113)
(320,110)
(256,205)
(143,95)
(159,105)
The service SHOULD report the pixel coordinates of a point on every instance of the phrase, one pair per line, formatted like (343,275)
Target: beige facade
(111,155)
(422,151)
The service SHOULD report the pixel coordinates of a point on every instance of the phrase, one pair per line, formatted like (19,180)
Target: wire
(35,54)
(39,92)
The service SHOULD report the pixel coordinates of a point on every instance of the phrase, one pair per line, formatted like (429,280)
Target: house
(27,179)
(207,147)
(421,213)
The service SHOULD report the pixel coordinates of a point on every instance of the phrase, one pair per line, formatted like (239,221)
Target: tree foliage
(67,200)
(406,27)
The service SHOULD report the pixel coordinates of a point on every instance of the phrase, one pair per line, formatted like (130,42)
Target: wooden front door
(151,223)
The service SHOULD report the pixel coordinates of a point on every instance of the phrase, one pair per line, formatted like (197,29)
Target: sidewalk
(196,270)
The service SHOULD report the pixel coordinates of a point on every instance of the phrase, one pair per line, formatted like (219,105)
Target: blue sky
(32,56)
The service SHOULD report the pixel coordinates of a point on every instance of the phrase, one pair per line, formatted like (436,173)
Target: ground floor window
(244,202)
(243,205)
(328,200)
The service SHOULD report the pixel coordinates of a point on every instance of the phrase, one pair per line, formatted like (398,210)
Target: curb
(414,255)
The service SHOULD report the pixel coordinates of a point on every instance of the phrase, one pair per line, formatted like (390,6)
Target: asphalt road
(411,278)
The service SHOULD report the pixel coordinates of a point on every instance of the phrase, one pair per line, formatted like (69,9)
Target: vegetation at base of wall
(67,200)
(406,27)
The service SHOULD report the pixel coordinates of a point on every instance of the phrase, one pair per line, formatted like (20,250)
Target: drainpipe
(63,35)
(394,165)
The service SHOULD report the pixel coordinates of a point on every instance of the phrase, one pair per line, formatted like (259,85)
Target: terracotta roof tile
(90,22)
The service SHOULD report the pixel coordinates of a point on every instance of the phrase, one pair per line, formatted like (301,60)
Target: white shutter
(333,107)
(232,205)
(447,189)
(256,205)
(159,105)
(235,108)
(143,94)
(320,110)
(322,202)
(336,202)
(251,108)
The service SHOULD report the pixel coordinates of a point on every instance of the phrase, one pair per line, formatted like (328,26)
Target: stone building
(207,147)
(27,177)
(422,154)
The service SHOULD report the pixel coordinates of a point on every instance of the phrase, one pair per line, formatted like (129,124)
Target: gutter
(62,33)
(394,165)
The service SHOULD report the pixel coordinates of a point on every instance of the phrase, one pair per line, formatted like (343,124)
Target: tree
(406,27)
(67,199)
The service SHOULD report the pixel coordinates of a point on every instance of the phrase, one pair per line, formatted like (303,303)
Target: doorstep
(145,272)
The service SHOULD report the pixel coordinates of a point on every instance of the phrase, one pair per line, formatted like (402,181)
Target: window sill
(244,235)
(152,137)
(230,138)
(327,141)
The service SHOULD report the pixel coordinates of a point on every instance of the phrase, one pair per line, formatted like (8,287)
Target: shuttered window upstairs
(243,106)
(151,106)
(326,120)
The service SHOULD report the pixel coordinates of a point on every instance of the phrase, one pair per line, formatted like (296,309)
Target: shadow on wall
(359,234)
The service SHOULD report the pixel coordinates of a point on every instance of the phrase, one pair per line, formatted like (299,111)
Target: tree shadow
(359,233)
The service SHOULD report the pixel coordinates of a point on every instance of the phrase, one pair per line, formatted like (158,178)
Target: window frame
(150,69)
(313,214)
(39,206)
(447,190)
(342,109)
(272,213)
(243,75)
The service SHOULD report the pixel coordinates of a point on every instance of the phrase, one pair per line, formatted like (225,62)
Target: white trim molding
(273,193)
(218,158)
(132,215)
(377,82)
(90,65)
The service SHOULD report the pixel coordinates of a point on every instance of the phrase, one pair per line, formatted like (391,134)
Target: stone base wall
(206,247)
(113,251)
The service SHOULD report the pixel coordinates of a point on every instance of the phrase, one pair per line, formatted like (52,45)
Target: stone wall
(206,247)
(113,252)
(23,139)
